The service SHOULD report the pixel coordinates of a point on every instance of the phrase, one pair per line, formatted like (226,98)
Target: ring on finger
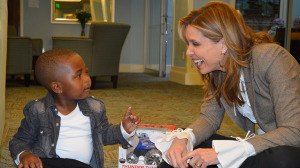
(198,164)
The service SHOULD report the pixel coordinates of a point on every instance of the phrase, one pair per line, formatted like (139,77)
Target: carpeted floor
(156,100)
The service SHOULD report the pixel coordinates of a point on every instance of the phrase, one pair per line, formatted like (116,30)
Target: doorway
(158,36)
(13,8)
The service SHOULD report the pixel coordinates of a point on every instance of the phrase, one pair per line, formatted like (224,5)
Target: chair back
(19,55)
(108,39)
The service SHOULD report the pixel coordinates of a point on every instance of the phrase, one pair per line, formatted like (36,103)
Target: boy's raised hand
(130,121)
(29,160)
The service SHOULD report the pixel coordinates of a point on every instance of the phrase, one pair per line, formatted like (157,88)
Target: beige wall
(3,48)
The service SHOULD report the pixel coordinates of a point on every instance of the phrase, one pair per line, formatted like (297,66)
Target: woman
(255,81)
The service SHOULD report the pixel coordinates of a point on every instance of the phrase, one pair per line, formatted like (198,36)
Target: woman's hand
(175,153)
(202,157)
(29,160)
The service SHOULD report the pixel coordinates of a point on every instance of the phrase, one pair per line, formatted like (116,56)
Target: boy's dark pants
(63,163)
(277,157)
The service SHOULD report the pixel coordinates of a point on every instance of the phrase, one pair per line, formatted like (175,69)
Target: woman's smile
(198,62)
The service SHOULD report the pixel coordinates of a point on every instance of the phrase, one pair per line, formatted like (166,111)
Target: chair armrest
(70,37)
(73,44)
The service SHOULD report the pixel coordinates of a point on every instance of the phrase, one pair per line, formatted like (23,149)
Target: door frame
(162,48)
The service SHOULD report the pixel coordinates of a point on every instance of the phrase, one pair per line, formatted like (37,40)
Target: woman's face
(206,54)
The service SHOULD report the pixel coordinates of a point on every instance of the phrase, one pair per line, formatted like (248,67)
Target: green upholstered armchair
(101,50)
(21,51)
(19,57)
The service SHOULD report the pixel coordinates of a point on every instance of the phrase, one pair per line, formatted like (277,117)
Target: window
(64,10)
(259,14)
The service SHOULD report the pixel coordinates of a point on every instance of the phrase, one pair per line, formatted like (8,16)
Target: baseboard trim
(132,68)
(181,76)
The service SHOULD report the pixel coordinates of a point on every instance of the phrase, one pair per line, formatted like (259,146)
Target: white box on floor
(143,150)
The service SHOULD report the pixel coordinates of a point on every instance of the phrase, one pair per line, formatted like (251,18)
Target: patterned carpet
(156,100)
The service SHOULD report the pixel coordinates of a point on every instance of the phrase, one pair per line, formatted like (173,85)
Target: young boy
(66,128)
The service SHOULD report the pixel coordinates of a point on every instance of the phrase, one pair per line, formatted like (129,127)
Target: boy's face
(74,78)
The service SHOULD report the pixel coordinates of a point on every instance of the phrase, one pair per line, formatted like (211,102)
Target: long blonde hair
(217,20)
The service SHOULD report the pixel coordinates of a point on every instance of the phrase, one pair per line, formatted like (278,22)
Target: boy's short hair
(46,65)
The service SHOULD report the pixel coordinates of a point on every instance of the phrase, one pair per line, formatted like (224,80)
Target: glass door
(155,37)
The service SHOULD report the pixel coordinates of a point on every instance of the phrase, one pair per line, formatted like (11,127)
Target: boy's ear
(56,87)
